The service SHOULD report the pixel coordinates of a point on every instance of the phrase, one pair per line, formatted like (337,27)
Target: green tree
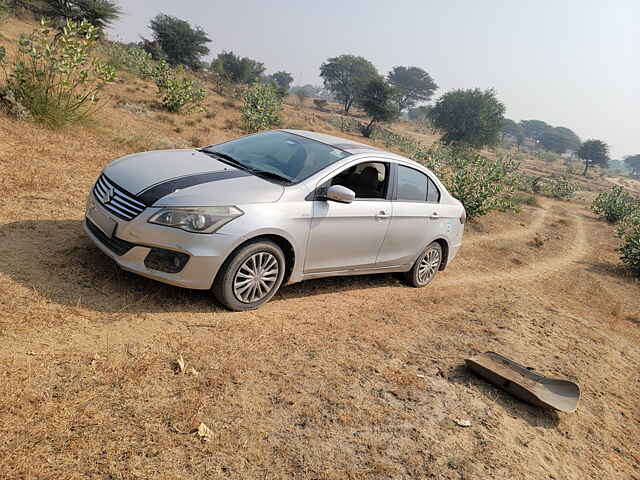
(411,85)
(513,129)
(282,81)
(419,114)
(153,48)
(593,152)
(346,76)
(376,100)
(470,118)
(554,141)
(181,43)
(99,13)
(572,140)
(235,69)
(632,162)
(534,128)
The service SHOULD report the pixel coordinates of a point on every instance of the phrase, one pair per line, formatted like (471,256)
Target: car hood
(188,178)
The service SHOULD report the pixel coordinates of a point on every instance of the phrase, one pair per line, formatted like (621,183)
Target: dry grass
(337,378)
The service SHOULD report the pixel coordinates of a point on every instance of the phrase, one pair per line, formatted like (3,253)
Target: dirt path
(562,259)
(532,227)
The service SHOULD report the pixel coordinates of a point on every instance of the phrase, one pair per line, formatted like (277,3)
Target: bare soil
(358,377)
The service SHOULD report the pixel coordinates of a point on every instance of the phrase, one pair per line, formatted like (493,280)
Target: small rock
(463,423)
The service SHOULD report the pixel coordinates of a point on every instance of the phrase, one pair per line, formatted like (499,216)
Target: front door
(349,236)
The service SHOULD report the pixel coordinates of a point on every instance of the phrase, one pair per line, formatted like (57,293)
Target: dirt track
(334,378)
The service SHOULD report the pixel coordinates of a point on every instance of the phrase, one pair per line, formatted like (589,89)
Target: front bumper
(133,240)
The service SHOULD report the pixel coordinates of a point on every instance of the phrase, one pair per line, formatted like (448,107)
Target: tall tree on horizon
(632,162)
(181,43)
(410,86)
(593,152)
(236,69)
(470,118)
(377,100)
(346,77)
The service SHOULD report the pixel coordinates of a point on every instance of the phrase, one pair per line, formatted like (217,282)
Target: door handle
(434,215)
(381,215)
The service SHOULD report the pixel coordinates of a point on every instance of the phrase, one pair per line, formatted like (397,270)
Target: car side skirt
(359,271)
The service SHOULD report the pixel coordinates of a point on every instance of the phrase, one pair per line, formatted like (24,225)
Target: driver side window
(369,180)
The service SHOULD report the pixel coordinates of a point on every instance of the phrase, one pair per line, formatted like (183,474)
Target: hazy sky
(573,63)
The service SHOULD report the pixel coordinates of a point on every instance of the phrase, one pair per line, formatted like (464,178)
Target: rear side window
(433,195)
(415,186)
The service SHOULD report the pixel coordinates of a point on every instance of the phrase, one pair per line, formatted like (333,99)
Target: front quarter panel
(289,218)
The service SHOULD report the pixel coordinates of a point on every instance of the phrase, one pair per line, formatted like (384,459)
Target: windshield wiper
(268,174)
(226,158)
(256,171)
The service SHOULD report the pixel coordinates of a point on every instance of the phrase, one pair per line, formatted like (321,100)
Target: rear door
(417,217)
(349,236)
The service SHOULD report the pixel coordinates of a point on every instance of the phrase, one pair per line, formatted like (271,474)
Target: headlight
(196,219)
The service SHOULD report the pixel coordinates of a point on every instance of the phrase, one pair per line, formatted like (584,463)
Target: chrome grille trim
(121,204)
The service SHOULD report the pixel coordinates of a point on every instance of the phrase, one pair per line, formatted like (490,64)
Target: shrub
(434,157)
(559,187)
(261,108)
(480,183)
(180,94)
(615,204)
(53,77)
(344,124)
(320,103)
(4,9)
(629,232)
(135,59)
(392,139)
(525,198)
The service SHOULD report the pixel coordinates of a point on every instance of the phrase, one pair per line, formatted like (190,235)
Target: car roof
(337,142)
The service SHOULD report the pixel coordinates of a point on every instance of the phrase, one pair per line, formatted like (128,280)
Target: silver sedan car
(245,216)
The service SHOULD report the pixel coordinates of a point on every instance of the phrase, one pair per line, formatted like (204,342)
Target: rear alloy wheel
(250,277)
(426,267)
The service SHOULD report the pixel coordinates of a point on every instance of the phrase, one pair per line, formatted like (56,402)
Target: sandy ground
(357,377)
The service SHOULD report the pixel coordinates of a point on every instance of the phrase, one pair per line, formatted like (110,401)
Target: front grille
(117,200)
(115,244)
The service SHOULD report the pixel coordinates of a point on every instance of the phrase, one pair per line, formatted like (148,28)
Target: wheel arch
(280,240)
(445,252)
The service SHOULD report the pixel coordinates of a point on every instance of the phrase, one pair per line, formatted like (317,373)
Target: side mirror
(338,193)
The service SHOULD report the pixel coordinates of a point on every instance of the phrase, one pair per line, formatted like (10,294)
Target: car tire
(250,277)
(426,267)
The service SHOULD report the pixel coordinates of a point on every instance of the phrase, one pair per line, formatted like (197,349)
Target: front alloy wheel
(250,276)
(256,277)
(426,267)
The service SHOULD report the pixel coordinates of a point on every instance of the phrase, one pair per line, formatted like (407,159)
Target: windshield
(282,154)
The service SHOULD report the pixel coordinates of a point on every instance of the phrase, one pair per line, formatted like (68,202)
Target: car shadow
(56,259)
(618,272)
